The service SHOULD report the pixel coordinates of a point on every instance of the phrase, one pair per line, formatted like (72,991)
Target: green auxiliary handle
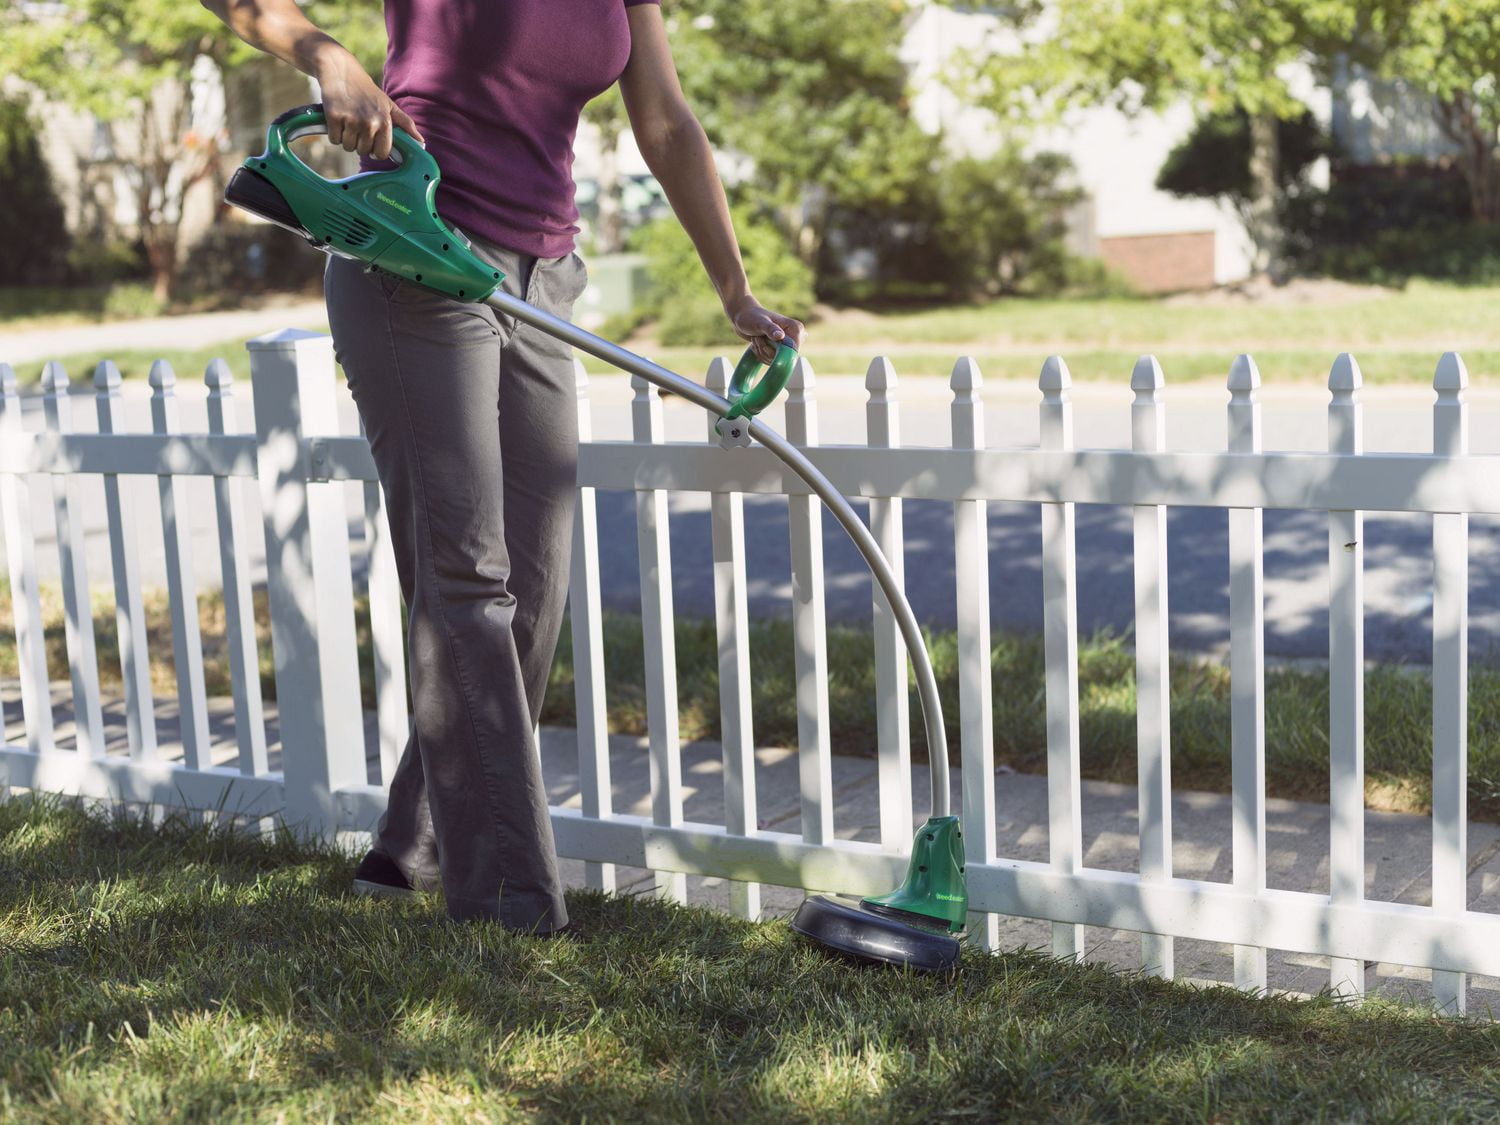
(750,395)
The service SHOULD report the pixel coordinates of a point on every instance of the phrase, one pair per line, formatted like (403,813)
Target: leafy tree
(813,94)
(1225,55)
(607,114)
(130,63)
(1213,162)
(1450,50)
(689,311)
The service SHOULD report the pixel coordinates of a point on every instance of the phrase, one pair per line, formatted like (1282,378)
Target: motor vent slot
(348,228)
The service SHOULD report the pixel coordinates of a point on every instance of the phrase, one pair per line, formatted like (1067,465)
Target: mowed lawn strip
(181,973)
(1398,700)
(1396,334)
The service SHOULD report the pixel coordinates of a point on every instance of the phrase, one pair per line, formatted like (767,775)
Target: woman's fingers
(400,117)
(765,330)
(380,142)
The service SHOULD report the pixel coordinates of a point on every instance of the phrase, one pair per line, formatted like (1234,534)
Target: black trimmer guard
(886,936)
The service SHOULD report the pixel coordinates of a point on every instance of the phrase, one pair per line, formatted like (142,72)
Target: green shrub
(1093,278)
(129,300)
(1385,225)
(682,297)
(236,258)
(975,227)
(103,262)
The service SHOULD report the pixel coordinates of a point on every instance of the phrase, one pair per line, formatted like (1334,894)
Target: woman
(470,416)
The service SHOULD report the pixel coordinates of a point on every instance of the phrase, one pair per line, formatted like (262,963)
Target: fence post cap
(1452,373)
(881,374)
(217,375)
(1345,374)
(288,339)
(966,375)
(1147,375)
(1055,374)
(802,375)
(107,376)
(55,378)
(1244,375)
(162,377)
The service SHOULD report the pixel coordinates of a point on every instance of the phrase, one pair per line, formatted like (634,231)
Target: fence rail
(301,465)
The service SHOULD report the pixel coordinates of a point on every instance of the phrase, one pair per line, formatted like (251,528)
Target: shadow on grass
(185,972)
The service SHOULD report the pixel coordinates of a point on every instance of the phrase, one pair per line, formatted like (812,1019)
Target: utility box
(617,283)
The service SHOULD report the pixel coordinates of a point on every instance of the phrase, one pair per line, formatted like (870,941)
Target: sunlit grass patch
(185,973)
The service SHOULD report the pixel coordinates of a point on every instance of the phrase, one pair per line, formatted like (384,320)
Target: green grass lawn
(183,974)
(1397,335)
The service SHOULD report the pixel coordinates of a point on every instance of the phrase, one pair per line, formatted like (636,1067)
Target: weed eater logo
(389,202)
(950,898)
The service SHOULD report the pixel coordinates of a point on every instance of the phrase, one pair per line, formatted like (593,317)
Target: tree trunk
(1264,218)
(1461,121)
(161,252)
(610,236)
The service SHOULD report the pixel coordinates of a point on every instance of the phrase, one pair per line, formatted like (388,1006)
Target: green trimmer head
(917,925)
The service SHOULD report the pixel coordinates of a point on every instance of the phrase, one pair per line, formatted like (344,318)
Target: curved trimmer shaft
(843,511)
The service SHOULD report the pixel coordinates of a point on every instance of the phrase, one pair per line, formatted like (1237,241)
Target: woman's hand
(359,114)
(762,328)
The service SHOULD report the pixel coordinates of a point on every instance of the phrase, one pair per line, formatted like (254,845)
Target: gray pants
(472,422)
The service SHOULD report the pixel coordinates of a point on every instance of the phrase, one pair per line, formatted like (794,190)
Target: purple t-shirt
(496,87)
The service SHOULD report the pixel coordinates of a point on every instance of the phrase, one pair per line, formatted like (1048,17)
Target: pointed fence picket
(25,591)
(654,545)
(1153,693)
(586,618)
(1346,676)
(1060,651)
(892,702)
(182,580)
(303,463)
(976,712)
(1247,673)
(130,610)
(72,550)
(732,621)
(809,622)
(1450,680)
(234,567)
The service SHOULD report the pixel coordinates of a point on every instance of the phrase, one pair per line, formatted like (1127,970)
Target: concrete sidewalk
(1398,847)
(194,330)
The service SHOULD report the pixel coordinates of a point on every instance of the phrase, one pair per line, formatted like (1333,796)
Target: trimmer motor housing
(387,219)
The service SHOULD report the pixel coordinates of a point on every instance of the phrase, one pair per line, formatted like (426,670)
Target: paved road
(1398,549)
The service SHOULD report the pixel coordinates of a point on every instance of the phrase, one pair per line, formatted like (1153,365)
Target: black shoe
(572,931)
(378,874)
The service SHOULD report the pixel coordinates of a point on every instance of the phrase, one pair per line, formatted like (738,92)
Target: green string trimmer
(389,220)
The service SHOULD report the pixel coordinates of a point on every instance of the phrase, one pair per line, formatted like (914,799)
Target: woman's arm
(359,114)
(677,151)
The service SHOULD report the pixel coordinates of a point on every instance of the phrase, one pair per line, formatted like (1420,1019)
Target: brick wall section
(1162,263)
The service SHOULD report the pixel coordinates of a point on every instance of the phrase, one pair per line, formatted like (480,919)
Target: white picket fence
(302,465)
